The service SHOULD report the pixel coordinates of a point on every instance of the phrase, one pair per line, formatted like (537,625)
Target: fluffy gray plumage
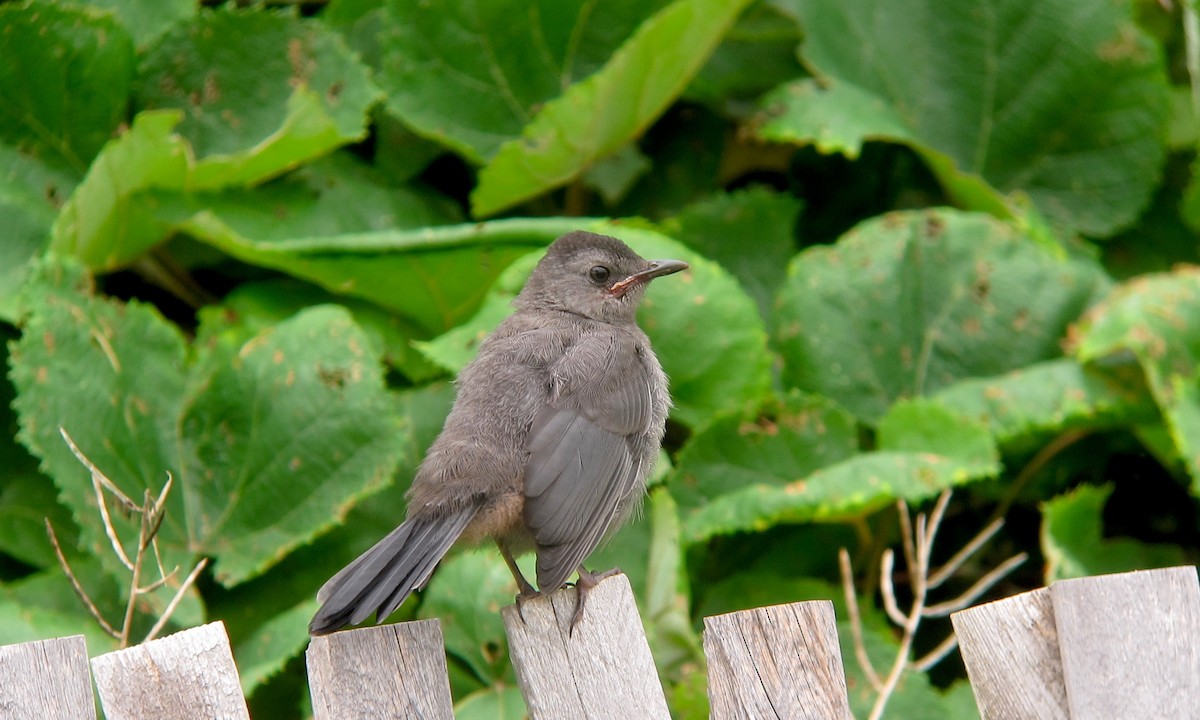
(557,423)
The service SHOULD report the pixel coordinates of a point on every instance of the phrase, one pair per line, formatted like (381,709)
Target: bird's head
(596,276)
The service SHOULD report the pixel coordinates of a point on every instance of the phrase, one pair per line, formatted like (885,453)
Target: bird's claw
(587,581)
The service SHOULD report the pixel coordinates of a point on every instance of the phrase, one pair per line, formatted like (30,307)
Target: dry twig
(917,547)
(151,512)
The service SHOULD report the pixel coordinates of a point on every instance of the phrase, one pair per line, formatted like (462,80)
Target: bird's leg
(587,581)
(527,590)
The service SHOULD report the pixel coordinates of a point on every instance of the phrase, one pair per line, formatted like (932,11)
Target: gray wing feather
(577,476)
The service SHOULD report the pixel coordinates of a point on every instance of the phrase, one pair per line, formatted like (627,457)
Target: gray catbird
(556,425)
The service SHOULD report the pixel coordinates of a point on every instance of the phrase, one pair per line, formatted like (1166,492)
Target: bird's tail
(382,577)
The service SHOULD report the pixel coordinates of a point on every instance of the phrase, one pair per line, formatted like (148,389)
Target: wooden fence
(1119,646)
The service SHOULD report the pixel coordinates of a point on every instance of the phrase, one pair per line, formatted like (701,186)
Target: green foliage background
(933,245)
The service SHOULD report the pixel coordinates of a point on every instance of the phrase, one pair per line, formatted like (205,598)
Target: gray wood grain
(186,675)
(776,662)
(1130,644)
(1010,648)
(603,670)
(388,671)
(46,680)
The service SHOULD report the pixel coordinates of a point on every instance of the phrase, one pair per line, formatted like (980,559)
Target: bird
(555,426)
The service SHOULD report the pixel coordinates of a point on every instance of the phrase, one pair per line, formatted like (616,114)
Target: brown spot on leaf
(972,326)
(1021,320)
(934,225)
(295,464)
(333,377)
(277,356)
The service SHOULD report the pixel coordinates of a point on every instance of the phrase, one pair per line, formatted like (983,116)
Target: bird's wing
(581,463)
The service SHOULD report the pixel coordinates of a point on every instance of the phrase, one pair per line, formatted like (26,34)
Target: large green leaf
(1073,539)
(112,376)
(239,77)
(776,444)
(270,440)
(1050,397)
(104,224)
(922,449)
(288,431)
(65,80)
(435,276)
(599,115)
(1156,318)
(678,314)
(472,74)
(912,302)
(1062,101)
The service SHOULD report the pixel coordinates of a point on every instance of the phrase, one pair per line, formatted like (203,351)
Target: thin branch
(1035,465)
(936,655)
(856,625)
(187,583)
(75,584)
(888,591)
(939,576)
(981,586)
(906,534)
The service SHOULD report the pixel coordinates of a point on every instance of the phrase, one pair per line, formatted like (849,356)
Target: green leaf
(499,702)
(778,443)
(755,55)
(910,303)
(111,376)
(147,20)
(444,271)
(676,314)
(103,225)
(751,233)
(1062,101)
(288,431)
(923,448)
(261,304)
(595,117)
(1073,539)
(465,74)
(466,595)
(263,91)
(30,194)
(263,653)
(1156,318)
(65,80)
(1051,397)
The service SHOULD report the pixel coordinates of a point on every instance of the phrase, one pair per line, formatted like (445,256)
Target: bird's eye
(598,274)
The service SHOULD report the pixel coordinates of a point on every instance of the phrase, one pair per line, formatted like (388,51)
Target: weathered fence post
(186,675)
(46,679)
(780,661)
(1010,648)
(388,671)
(1115,646)
(602,670)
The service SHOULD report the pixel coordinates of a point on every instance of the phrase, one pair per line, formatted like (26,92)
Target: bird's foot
(526,594)
(587,581)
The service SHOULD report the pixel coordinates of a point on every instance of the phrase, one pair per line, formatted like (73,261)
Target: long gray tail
(382,577)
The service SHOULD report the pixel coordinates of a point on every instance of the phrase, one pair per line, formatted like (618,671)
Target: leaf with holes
(910,303)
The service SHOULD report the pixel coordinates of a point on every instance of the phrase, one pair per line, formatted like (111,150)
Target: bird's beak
(657,268)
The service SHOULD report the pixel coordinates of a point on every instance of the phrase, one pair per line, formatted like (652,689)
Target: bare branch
(75,584)
(187,583)
(939,576)
(981,586)
(856,626)
(97,475)
(936,655)
(888,591)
